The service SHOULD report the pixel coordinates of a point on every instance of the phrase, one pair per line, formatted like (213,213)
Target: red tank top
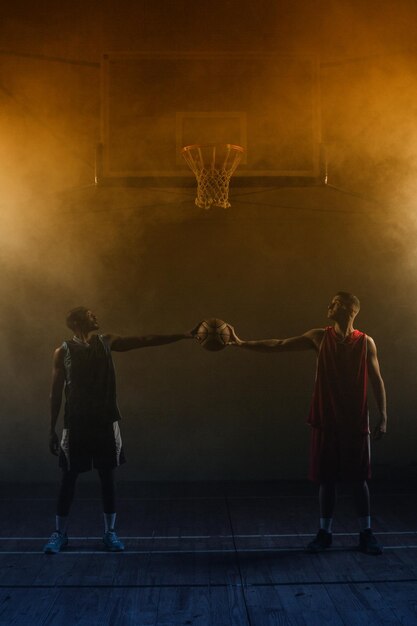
(340,392)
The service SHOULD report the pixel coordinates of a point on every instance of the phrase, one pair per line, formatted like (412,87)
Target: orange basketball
(213,334)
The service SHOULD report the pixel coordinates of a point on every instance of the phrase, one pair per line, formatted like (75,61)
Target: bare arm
(378,388)
(58,379)
(310,340)
(123,344)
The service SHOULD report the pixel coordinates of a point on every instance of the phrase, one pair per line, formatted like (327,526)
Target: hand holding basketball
(234,339)
(193,333)
(53,443)
(213,334)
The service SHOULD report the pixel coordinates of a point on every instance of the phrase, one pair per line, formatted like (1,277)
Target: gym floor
(207,554)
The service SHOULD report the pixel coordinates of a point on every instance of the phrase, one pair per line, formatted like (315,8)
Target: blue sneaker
(56,542)
(112,542)
(322,541)
(368,543)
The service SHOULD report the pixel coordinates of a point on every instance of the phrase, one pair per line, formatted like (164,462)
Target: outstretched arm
(378,388)
(58,379)
(310,340)
(123,344)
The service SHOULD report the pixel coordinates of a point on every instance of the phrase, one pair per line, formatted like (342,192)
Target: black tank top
(90,384)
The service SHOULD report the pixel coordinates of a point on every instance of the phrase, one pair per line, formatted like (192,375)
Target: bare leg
(367,540)
(66,492)
(110,539)
(59,539)
(327,499)
(361,497)
(107,490)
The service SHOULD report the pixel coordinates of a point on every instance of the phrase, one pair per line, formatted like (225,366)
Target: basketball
(213,334)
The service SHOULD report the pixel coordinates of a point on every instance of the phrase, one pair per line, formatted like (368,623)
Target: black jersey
(90,383)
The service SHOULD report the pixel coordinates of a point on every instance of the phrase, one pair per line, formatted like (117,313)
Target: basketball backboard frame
(177,172)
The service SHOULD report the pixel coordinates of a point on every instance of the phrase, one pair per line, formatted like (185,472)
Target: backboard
(153,104)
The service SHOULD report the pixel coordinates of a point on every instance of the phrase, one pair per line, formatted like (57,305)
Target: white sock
(61,523)
(326,524)
(364,523)
(109,521)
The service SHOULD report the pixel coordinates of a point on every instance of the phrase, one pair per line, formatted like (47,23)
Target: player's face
(91,322)
(337,309)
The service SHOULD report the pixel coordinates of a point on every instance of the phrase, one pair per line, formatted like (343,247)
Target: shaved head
(349,299)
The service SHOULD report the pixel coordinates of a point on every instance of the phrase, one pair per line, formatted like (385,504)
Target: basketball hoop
(213,166)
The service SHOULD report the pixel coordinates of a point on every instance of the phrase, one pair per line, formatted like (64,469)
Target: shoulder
(62,348)
(370,344)
(108,339)
(98,341)
(59,353)
(315,335)
(316,332)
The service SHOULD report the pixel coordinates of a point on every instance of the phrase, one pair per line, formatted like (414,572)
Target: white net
(213,166)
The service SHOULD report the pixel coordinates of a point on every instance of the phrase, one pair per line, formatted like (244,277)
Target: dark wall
(150,262)
(147,260)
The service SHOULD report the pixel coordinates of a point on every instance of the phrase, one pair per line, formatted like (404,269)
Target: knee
(360,486)
(69,478)
(328,486)
(106,477)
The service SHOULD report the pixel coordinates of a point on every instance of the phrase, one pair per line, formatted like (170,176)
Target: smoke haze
(147,260)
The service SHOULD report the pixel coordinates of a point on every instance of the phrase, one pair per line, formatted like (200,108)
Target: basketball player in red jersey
(338,416)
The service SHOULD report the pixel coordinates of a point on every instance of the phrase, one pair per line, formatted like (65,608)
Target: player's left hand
(192,334)
(379,431)
(234,339)
(53,443)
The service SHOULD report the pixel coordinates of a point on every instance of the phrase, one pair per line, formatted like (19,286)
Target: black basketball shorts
(84,449)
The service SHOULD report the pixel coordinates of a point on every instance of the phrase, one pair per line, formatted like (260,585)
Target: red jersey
(340,393)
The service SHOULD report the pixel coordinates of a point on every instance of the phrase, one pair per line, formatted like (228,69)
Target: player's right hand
(53,443)
(379,431)
(193,332)
(234,339)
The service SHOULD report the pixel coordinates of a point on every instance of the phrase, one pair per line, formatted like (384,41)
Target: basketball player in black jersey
(83,367)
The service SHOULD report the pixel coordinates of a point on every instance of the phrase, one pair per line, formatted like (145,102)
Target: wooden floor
(211,554)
